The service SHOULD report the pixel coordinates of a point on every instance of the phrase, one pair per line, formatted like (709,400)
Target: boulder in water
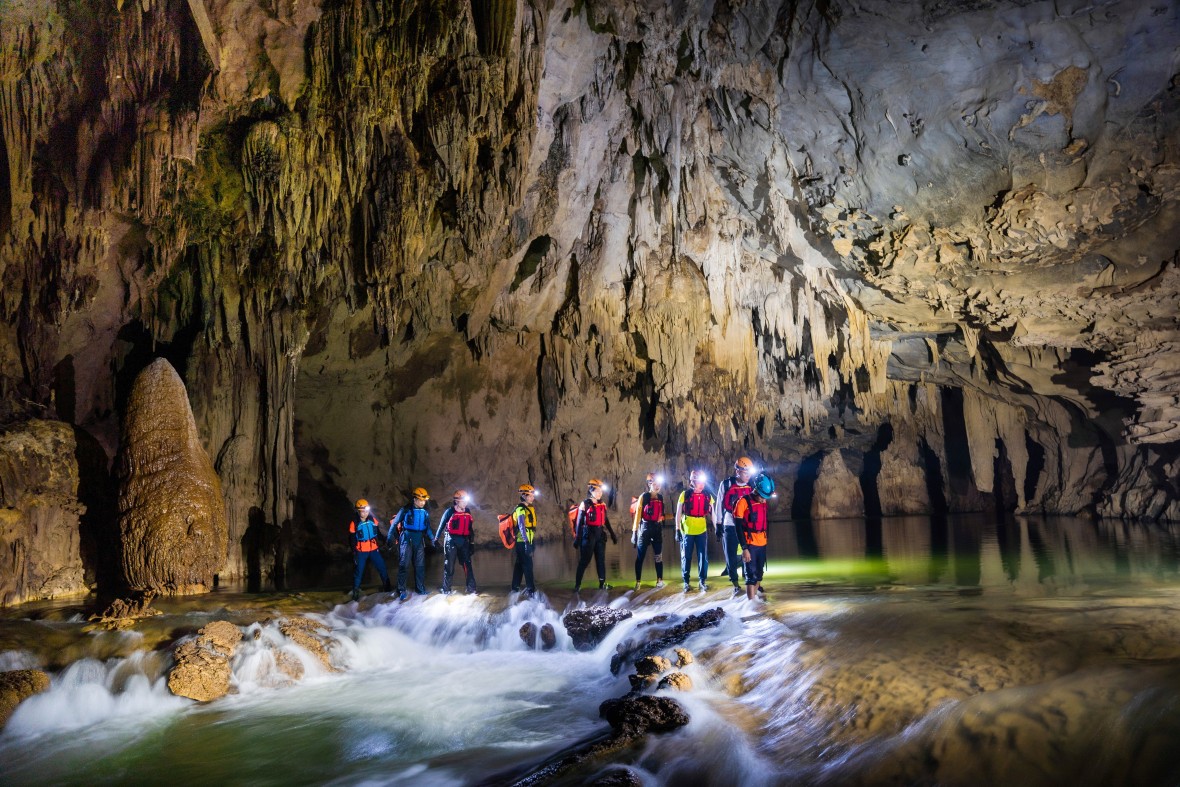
(683,657)
(618,777)
(548,637)
(639,714)
(677,681)
(202,670)
(311,636)
(17,686)
(652,665)
(171,513)
(664,638)
(587,627)
(528,633)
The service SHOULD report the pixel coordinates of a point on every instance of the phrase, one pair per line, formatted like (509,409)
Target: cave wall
(455,243)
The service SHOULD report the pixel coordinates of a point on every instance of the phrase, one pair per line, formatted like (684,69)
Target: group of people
(737,514)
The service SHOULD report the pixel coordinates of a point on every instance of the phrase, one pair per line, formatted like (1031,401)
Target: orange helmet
(420,493)
(527,489)
(594,482)
(744,463)
(460,494)
(362,503)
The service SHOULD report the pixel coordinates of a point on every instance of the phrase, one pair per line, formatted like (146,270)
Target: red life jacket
(735,493)
(595,513)
(654,510)
(695,503)
(460,523)
(756,515)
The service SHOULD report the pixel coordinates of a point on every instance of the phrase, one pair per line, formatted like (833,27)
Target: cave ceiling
(388,243)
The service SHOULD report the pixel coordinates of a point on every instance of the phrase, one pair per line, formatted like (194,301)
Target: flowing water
(902,651)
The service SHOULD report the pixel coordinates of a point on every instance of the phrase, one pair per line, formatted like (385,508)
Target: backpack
(506,524)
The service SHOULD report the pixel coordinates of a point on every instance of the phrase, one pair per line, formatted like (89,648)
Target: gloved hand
(634,539)
(613,540)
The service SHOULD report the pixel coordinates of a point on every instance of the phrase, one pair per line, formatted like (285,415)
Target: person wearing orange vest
(525,518)
(459,541)
(588,538)
(694,511)
(364,534)
(412,525)
(750,514)
(729,492)
(647,528)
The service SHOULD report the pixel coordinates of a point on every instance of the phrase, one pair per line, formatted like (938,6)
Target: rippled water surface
(902,651)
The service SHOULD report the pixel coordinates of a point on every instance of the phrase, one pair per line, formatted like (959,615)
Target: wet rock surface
(633,716)
(17,686)
(171,513)
(123,612)
(202,670)
(587,627)
(311,636)
(664,637)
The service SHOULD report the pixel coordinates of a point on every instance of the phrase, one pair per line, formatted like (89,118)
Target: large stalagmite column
(171,512)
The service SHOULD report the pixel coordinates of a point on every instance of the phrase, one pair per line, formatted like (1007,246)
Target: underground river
(908,650)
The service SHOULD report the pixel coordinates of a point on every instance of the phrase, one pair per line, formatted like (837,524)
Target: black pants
(651,534)
(412,545)
(457,551)
(523,567)
(593,545)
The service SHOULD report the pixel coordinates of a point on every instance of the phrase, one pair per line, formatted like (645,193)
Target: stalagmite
(171,514)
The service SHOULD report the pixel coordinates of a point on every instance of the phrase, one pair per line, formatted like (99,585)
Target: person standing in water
(729,492)
(750,514)
(412,525)
(588,538)
(364,547)
(525,517)
(456,527)
(647,529)
(694,510)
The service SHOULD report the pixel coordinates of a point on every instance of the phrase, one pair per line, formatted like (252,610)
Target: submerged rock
(311,636)
(17,686)
(548,636)
(202,670)
(618,777)
(652,665)
(528,634)
(171,513)
(122,613)
(683,657)
(588,627)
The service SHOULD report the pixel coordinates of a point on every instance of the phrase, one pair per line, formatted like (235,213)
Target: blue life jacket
(414,519)
(366,530)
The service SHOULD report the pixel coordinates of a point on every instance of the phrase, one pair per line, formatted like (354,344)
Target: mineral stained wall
(929,247)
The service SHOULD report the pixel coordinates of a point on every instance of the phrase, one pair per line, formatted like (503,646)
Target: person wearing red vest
(694,512)
(647,529)
(729,492)
(751,515)
(456,528)
(364,533)
(588,538)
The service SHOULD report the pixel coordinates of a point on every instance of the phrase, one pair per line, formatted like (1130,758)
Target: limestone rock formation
(312,636)
(17,686)
(171,513)
(386,241)
(40,545)
(684,657)
(837,491)
(202,669)
(122,613)
(587,627)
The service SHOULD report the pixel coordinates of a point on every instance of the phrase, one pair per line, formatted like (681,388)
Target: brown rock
(677,681)
(202,670)
(618,777)
(289,665)
(684,657)
(171,513)
(528,633)
(40,549)
(642,682)
(548,637)
(123,612)
(652,665)
(309,635)
(17,686)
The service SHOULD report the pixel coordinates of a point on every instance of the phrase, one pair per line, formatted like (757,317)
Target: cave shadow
(935,484)
(872,470)
(257,542)
(100,540)
(804,491)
